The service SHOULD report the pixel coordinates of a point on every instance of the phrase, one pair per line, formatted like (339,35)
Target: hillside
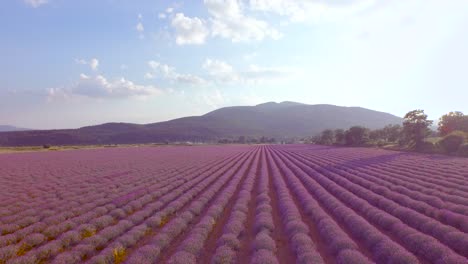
(6,128)
(279,120)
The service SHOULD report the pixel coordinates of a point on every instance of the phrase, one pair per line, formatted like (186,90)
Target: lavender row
(264,247)
(80,177)
(421,178)
(298,232)
(382,248)
(193,245)
(424,246)
(430,194)
(414,200)
(88,232)
(63,222)
(108,254)
(449,236)
(151,251)
(228,244)
(338,243)
(432,181)
(151,214)
(79,200)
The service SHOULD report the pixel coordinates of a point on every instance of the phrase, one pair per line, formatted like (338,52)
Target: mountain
(279,120)
(6,128)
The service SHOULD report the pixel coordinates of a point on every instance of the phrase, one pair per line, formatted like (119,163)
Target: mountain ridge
(8,128)
(279,120)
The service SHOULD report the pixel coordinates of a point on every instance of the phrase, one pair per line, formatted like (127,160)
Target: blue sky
(68,64)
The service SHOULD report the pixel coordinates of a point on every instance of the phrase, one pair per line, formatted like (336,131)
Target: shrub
(351,257)
(463,150)
(34,239)
(451,142)
(224,255)
(425,147)
(230,240)
(263,256)
(183,257)
(264,241)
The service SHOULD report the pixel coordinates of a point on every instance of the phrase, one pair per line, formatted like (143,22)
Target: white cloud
(99,87)
(220,70)
(167,72)
(213,99)
(169,10)
(36,3)
(250,56)
(94,63)
(139,27)
(149,75)
(229,21)
(223,72)
(83,76)
(311,10)
(161,16)
(189,30)
(259,73)
(81,61)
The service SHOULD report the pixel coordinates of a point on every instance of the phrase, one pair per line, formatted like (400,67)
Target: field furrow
(233,204)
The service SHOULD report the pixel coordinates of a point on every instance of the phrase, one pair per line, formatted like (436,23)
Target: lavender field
(233,204)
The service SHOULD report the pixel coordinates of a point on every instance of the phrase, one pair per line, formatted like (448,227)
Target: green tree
(451,122)
(392,133)
(327,137)
(339,136)
(416,128)
(378,134)
(452,142)
(315,139)
(356,136)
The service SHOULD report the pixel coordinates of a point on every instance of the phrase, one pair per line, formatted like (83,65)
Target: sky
(68,64)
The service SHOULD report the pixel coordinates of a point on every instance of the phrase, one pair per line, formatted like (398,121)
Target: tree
(253,141)
(416,128)
(315,139)
(451,122)
(356,136)
(392,133)
(241,140)
(378,134)
(339,136)
(452,142)
(327,137)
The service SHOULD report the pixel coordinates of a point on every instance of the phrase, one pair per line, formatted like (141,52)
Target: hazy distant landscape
(7,128)
(282,121)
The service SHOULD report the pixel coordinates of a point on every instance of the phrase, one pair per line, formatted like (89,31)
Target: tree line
(247,140)
(451,136)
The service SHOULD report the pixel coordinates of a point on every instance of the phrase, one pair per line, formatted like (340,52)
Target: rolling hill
(279,120)
(6,128)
